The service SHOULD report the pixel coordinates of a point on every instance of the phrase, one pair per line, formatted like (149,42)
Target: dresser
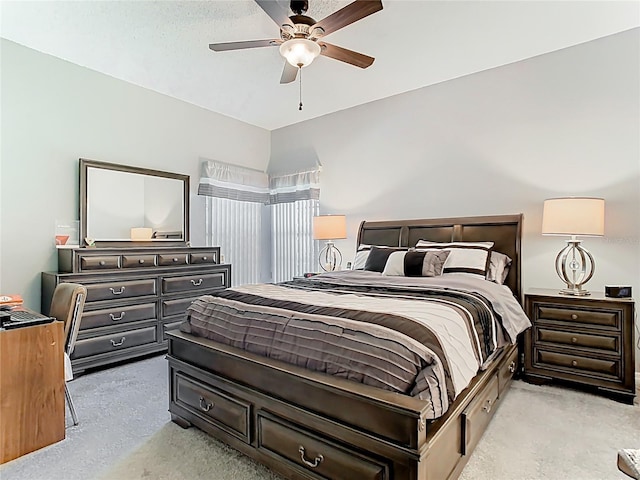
(134,296)
(586,341)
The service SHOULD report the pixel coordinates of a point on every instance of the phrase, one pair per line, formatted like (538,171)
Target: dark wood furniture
(134,295)
(308,425)
(587,341)
(31,389)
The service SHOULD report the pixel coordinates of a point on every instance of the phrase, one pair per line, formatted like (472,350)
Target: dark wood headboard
(504,230)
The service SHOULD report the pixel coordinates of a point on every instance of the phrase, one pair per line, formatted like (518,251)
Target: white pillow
(465,257)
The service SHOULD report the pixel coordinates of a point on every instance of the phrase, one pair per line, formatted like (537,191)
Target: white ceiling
(163,46)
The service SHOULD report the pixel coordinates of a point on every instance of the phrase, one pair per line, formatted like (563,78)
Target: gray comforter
(421,336)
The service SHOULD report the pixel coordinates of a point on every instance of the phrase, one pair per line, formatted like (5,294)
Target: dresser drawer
(176,307)
(118,315)
(169,326)
(317,457)
(124,289)
(138,261)
(587,317)
(113,342)
(476,416)
(99,262)
(172,259)
(603,368)
(598,341)
(194,282)
(203,257)
(215,406)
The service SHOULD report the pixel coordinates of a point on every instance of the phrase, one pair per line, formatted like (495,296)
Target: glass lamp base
(575,291)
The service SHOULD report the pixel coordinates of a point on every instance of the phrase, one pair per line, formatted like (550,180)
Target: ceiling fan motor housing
(299,7)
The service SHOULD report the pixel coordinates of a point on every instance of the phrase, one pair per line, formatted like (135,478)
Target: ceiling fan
(301,36)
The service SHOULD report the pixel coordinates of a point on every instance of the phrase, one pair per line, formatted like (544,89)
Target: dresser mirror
(119,203)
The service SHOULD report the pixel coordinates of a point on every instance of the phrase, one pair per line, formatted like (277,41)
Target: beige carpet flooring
(538,433)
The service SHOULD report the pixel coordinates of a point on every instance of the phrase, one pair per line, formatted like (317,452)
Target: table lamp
(574,216)
(330,228)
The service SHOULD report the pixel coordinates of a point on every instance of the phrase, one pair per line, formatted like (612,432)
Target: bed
(332,423)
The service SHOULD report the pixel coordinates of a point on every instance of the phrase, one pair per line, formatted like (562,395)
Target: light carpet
(539,432)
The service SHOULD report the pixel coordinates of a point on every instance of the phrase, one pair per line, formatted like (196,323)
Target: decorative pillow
(378,256)
(499,265)
(361,257)
(465,257)
(416,263)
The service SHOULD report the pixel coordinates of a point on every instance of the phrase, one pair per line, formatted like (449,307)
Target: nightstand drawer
(547,359)
(584,316)
(606,343)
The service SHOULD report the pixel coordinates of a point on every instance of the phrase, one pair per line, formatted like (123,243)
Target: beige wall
(496,142)
(53,113)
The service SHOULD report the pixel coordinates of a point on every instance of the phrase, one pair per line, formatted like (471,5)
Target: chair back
(66,306)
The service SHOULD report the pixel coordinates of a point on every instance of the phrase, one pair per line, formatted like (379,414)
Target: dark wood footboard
(308,425)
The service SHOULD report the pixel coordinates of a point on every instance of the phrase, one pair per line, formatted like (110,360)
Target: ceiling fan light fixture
(300,52)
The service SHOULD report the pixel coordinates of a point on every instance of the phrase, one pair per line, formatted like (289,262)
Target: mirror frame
(85,164)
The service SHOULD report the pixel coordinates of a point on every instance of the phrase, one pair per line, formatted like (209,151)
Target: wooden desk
(31,389)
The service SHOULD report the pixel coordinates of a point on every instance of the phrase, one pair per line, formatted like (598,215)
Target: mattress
(427,337)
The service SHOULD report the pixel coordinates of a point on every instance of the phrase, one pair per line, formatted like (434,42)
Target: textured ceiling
(163,46)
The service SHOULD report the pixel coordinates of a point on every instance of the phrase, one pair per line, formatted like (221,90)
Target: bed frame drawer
(118,315)
(477,415)
(507,371)
(317,457)
(214,406)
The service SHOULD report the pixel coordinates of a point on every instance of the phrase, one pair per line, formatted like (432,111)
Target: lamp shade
(300,52)
(573,216)
(329,227)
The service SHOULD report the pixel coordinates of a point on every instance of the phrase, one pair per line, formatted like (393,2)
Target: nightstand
(586,341)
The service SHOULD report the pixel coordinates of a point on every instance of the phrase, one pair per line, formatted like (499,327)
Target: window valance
(294,187)
(222,180)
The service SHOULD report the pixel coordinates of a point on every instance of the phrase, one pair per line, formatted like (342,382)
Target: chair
(66,306)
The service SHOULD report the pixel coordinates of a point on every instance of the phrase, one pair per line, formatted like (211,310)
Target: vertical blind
(235,220)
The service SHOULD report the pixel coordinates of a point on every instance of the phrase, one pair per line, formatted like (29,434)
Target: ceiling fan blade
(351,13)
(289,73)
(221,47)
(344,55)
(276,11)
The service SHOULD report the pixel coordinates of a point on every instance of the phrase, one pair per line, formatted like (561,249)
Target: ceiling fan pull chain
(300,72)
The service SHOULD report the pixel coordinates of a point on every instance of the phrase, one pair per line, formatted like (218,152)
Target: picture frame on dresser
(585,341)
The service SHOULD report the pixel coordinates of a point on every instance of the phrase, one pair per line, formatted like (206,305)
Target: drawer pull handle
(119,292)
(574,363)
(115,319)
(204,258)
(175,259)
(204,405)
(574,316)
(316,461)
(198,283)
(141,261)
(102,263)
(118,344)
(487,407)
(512,367)
(574,339)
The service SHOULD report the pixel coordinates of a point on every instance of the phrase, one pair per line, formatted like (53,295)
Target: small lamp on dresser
(330,228)
(574,216)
